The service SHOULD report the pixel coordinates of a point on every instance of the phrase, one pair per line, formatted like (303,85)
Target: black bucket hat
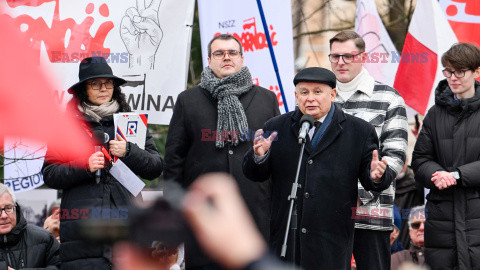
(94,67)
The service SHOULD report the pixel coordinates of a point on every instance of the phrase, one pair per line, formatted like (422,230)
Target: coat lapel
(295,128)
(332,132)
(247,98)
(209,96)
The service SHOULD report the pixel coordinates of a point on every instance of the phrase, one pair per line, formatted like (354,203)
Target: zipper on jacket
(5,238)
(9,259)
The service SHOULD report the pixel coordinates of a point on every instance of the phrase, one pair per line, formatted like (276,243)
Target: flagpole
(272,53)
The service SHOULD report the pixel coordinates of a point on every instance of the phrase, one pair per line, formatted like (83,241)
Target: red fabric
(414,79)
(27,106)
(466,32)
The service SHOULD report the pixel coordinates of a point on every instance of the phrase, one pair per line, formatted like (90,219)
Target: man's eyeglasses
(416,225)
(220,54)
(97,85)
(458,73)
(9,209)
(347,58)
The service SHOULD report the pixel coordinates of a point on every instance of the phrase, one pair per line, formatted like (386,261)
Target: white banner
(241,18)
(23,162)
(146,42)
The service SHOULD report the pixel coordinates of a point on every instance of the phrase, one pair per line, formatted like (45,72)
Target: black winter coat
(328,177)
(449,141)
(28,246)
(190,149)
(81,193)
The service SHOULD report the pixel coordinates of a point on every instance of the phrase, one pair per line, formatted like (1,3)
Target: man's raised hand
(377,167)
(260,144)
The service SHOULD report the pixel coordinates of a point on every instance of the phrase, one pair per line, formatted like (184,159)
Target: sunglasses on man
(416,225)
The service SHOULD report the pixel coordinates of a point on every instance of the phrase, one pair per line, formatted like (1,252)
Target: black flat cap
(316,74)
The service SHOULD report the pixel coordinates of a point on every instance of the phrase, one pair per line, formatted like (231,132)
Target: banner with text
(138,39)
(146,42)
(23,162)
(241,18)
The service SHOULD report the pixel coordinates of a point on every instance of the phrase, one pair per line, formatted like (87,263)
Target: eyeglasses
(9,209)
(220,54)
(458,73)
(97,85)
(347,58)
(416,225)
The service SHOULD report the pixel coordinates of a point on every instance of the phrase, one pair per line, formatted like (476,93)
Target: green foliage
(195,65)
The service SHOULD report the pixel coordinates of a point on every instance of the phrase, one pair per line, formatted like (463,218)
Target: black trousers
(371,249)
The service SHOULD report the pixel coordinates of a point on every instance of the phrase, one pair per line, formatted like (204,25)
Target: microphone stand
(292,214)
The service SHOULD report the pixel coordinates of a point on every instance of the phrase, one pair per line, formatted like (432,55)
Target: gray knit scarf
(231,114)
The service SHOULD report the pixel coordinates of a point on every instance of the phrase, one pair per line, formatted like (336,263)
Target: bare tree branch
(324,30)
(305,18)
(348,27)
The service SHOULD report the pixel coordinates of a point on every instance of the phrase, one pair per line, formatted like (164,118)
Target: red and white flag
(379,46)
(464,17)
(429,36)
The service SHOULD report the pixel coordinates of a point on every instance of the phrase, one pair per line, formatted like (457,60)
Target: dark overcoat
(449,141)
(190,149)
(107,200)
(328,179)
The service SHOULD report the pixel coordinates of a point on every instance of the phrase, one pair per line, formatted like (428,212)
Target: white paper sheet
(126,177)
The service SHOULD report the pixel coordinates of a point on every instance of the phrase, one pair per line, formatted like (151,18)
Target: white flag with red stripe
(378,45)
(429,36)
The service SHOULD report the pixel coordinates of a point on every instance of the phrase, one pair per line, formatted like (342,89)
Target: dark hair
(81,97)
(223,37)
(349,35)
(462,55)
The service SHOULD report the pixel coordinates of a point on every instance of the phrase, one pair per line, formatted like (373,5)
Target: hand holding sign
(118,148)
(141,33)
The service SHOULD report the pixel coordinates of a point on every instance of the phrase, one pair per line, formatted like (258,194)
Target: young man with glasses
(416,253)
(23,245)
(380,105)
(446,160)
(212,128)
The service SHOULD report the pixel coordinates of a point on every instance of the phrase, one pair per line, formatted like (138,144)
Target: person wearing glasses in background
(213,126)
(96,97)
(416,253)
(382,106)
(446,160)
(23,245)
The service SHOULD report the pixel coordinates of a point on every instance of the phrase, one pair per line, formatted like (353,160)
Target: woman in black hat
(97,96)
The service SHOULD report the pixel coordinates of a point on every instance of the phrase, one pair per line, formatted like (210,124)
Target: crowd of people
(353,187)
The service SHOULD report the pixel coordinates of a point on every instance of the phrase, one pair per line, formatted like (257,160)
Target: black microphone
(307,122)
(100,137)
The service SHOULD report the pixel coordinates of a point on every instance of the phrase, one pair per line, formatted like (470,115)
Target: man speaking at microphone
(339,150)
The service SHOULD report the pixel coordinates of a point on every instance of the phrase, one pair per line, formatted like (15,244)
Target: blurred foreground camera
(162,222)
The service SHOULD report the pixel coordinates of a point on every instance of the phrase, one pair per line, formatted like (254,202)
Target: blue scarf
(318,136)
